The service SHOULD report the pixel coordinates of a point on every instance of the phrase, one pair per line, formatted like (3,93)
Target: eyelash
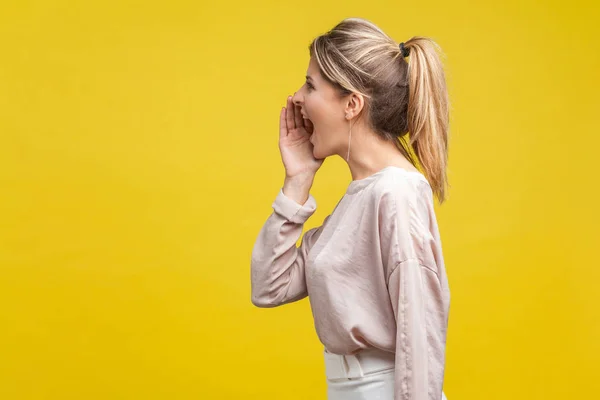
(310,87)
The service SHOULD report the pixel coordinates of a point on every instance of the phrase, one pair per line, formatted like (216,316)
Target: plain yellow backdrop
(139,159)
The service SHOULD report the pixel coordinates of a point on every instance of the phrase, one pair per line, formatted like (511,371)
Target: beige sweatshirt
(374,273)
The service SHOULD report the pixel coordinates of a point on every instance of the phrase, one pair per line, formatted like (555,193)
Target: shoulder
(399,187)
(402,199)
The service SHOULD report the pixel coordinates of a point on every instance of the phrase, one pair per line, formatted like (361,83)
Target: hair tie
(405,52)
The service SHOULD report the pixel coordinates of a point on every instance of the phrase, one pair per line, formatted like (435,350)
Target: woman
(374,270)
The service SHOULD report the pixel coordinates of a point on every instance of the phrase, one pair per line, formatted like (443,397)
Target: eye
(309,86)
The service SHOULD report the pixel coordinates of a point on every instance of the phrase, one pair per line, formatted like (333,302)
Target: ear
(354,104)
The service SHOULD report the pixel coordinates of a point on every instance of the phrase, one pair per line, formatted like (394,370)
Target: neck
(369,153)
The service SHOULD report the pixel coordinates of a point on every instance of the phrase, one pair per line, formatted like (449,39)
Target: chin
(319,155)
(316,153)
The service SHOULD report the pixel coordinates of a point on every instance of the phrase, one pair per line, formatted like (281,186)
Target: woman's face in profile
(320,102)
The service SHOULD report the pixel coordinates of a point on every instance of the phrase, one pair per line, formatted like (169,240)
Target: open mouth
(309,125)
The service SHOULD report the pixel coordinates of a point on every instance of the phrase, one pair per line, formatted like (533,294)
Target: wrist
(297,188)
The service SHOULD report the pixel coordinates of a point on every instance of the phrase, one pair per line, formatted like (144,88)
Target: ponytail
(428,111)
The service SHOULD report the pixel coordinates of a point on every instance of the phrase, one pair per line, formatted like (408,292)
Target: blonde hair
(400,97)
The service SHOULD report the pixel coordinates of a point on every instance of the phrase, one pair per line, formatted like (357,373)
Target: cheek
(321,115)
(314,107)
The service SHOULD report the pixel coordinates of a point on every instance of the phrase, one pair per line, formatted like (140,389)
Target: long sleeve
(418,305)
(417,289)
(277,266)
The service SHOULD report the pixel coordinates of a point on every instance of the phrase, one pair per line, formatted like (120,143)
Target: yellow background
(139,159)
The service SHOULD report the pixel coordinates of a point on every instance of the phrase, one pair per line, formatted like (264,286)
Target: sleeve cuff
(293,211)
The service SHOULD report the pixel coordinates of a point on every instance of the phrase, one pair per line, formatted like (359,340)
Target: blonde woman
(374,270)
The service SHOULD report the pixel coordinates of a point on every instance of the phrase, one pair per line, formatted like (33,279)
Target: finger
(298,117)
(290,114)
(282,124)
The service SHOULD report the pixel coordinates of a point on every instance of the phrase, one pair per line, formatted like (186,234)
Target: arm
(277,268)
(420,338)
(417,294)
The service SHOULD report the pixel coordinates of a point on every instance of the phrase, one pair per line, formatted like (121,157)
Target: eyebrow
(308,77)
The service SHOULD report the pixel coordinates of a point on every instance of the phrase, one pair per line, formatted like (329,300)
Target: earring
(349,142)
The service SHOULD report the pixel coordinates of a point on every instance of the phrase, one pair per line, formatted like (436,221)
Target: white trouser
(367,375)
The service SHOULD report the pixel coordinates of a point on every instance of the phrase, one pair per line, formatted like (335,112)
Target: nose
(297,99)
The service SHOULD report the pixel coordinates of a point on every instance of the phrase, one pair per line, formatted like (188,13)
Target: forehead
(313,69)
